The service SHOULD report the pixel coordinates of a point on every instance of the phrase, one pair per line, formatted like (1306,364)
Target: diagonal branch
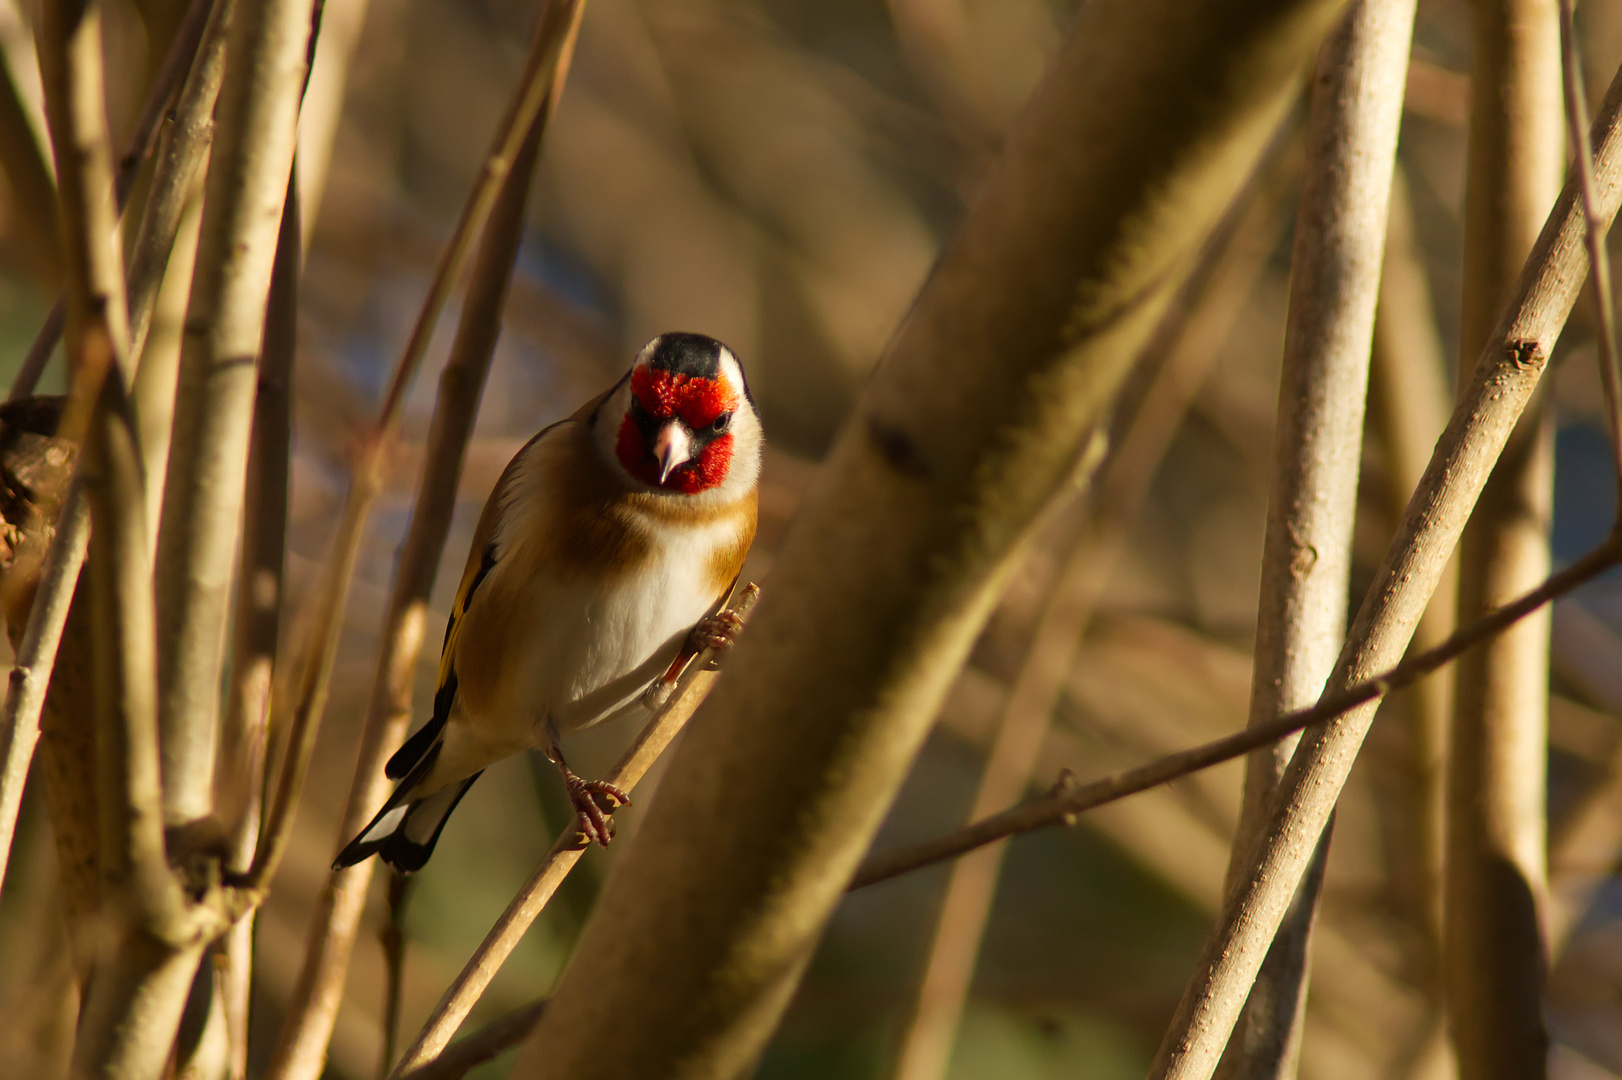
(460,997)
(1067,799)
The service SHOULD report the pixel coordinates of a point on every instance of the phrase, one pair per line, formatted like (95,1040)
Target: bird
(601,561)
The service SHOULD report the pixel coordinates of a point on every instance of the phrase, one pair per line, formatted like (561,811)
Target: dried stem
(544,72)
(203,492)
(134,1002)
(1599,259)
(301,1047)
(532,898)
(392,937)
(1067,799)
(485,1044)
(1317,446)
(176,62)
(28,174)
(1187,344)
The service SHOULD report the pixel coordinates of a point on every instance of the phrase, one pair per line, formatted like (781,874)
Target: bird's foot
(594,802)
(719,632)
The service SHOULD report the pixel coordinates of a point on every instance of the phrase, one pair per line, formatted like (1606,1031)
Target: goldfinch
(607,548)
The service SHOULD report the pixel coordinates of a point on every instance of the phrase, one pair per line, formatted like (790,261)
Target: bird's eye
(721,423)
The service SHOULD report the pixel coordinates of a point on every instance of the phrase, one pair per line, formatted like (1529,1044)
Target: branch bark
(977,417)
(1317,445)
(1187,344)
(259,609)
(203,491)
(1499,389)
(1496,876)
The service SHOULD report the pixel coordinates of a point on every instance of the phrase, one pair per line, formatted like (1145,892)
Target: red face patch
(697,401)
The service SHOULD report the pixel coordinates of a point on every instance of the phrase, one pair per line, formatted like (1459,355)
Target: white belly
(592,649)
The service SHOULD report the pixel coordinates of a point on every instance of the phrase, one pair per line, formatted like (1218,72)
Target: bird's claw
(719,632)
(594,802)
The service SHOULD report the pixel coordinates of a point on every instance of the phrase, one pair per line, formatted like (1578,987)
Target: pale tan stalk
(28,174)
(1496,884)
(1188,344)
(250,162)
(460,997)
(979,414)
(1498,391)
(144,967)
(258,612)
(1317,447)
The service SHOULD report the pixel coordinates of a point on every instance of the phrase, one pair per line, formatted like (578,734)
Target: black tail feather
(408,844)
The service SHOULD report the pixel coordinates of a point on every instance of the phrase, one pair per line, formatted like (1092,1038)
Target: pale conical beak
(672,447)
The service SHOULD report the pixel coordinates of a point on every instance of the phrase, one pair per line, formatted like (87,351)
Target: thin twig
(547,65)
(460,997)
(392,937)
(1610,368)
(245,735)
(176,62)
(1067,799)
(485,1044)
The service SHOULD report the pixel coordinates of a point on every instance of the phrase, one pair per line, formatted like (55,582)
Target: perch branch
(532,898)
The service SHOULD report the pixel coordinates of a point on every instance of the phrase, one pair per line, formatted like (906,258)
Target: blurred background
(781,175)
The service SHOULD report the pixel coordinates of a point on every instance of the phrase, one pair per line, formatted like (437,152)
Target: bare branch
(249,167)
(1340,231)
(1060,806)
(258,609)
(1496,879)
(36,654)
(460,997)
(485,1044)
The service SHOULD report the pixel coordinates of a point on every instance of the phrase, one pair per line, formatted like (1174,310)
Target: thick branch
(978,415)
